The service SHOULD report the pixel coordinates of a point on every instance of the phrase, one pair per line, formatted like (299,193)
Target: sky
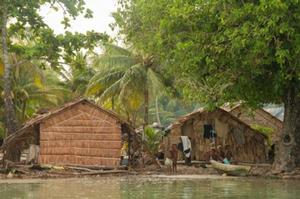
(102,10)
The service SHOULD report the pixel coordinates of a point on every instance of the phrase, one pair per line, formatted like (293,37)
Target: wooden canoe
(229,169)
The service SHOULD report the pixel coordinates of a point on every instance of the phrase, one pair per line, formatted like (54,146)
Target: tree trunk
(146,106)
(287,144)
(157,111)
(12,153)
(11,122)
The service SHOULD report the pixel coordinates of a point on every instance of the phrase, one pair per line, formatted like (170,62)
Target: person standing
(174,155)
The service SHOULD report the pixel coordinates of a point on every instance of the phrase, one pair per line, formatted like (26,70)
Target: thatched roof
(200,111)
(42,117)
(262,110)
(273,113)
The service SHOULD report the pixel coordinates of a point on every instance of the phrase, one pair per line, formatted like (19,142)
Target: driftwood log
(92,167)
(103,172)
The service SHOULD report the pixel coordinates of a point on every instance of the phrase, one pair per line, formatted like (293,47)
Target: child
(174,153)
(168,161)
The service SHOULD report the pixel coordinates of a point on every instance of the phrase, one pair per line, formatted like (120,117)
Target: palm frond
(117,50)
(113,60)
(112,90)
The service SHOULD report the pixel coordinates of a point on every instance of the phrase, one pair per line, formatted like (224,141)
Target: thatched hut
(247,144)
(79,133)
(257,118)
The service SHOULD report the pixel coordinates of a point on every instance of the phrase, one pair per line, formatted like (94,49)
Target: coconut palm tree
(77,74)
(169,108)
(32,89)
(127,77)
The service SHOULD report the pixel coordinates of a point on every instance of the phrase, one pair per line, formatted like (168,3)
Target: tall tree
(32,89)
(77,75)
(18,16)
(126,76)
(249,48)
(11,120)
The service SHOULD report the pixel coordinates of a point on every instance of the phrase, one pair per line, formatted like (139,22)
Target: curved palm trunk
(146,106)
(157,111)
(287,150)
(11,121)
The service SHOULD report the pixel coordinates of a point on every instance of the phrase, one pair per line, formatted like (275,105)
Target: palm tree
(169,108)
(32,89)
(125,76)
(77,74)
(29,92)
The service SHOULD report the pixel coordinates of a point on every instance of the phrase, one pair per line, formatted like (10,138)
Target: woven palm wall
(259,117)
(81,135)
(251,149)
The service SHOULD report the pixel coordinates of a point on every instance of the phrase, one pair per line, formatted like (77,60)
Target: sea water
(149,187)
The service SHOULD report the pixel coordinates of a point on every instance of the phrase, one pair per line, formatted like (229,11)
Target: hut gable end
(82,114)
(247,144)
(81,134)
(78,133)
(258,117)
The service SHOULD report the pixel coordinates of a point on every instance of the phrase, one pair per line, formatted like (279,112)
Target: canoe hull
(233,170)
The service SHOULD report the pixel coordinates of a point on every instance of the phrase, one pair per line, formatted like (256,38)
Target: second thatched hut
(247,144)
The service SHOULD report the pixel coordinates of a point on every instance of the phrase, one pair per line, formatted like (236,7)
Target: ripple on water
(145,187)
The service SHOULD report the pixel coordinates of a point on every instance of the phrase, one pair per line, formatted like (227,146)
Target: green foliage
(25,34)
(32,89)
(2,130)
(267,131)
(152,139)
(77,75)
(44,44)
(124,76)
(220,51)
(170,108)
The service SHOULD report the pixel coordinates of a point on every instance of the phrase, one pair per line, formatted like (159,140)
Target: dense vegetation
(41,70)
(226,51)
(178,52)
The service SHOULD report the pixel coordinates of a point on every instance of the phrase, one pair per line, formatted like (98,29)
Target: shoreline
(150,176)
(163,176)
(183,172)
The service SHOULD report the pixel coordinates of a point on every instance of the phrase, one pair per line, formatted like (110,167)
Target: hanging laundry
(187,146)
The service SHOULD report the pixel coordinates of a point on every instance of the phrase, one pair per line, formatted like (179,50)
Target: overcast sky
(102,10)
